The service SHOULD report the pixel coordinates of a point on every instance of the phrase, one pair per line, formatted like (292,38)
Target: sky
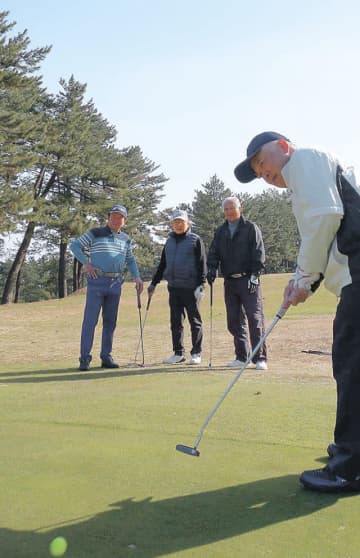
(192,81)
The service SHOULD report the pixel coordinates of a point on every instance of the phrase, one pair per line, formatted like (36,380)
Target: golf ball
(58,546)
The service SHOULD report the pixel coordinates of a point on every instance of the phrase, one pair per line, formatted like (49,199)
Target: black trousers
(346,370)
(181,300)
(240,304)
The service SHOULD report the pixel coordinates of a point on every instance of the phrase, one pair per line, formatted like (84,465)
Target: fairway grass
(91,456)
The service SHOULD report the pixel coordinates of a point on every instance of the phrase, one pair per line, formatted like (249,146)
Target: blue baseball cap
(243,171)
(119,209)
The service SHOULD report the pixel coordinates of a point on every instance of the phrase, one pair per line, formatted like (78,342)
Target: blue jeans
(102,292)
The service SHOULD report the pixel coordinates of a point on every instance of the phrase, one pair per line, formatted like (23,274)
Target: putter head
(188,450)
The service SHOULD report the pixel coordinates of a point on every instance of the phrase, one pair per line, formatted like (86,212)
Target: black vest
(181,266)
(348,234)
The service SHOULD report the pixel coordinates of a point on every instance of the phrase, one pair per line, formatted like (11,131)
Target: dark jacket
(183,262)
(243,253)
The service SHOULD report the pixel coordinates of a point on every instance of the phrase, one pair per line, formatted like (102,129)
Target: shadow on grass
(155,528)
(73,374)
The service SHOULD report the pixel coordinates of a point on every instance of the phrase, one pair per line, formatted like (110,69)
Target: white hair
(233,199)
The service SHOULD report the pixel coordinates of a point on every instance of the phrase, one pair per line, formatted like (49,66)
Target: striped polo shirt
(106,250)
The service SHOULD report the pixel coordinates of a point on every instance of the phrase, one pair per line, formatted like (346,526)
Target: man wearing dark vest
(183,266)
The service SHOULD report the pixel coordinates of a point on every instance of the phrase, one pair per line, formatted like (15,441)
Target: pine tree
(207,213)
(271,211)
(21,125)
(79,175)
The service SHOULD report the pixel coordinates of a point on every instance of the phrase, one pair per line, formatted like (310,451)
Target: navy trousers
(241,306)
(102,293)
(346,369)
(179,301)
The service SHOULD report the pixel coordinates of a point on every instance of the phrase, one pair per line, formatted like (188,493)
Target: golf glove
(151,289)
(253,283)
(199,294)
(211,276)
(307,281)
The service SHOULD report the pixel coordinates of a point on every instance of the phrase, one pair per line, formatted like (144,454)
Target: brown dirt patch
(293,336)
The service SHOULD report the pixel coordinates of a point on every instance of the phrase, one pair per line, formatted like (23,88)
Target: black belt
(238,275)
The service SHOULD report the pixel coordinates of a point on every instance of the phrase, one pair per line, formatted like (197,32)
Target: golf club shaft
(142,329)
(278,317)
(211,324)
(140,326)
(140,336)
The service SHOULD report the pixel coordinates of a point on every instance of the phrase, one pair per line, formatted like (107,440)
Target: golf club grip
(211,294)
(138,299)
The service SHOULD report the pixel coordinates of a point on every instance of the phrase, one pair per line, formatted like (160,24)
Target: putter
(140,342)
(188,450)
(211,323)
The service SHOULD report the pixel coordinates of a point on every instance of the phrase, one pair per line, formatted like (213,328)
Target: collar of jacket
(179,236)
(240,223)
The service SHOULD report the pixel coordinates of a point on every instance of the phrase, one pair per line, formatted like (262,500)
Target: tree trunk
(77,267)
(17,287)
(62,290)
(17,264)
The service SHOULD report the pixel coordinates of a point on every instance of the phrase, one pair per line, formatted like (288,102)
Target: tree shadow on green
(157,528)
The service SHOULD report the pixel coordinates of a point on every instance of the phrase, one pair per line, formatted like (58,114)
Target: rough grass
(36,334)
(90,456)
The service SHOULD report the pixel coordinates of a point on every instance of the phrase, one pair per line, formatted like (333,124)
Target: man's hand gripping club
(300,287)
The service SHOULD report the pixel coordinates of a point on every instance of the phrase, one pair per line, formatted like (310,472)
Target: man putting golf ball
(326,204)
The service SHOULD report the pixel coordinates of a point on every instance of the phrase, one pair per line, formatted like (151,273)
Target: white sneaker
(261,365)
(174,359)
(195,359)
(235,364)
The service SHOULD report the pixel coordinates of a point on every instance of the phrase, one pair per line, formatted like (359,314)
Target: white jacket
(310,175)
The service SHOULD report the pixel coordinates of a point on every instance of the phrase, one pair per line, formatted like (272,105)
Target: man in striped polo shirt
(104,252)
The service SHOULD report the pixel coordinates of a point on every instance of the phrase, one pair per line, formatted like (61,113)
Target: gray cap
(180,214)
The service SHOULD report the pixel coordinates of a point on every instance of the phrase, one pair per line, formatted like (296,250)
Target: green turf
(91,457)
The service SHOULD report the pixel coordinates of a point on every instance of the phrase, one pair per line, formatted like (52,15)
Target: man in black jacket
(238,249)
(183,265)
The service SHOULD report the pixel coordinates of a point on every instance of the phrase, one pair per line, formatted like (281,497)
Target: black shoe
(324,480)
(109,363)
(333,450)
(84,365)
